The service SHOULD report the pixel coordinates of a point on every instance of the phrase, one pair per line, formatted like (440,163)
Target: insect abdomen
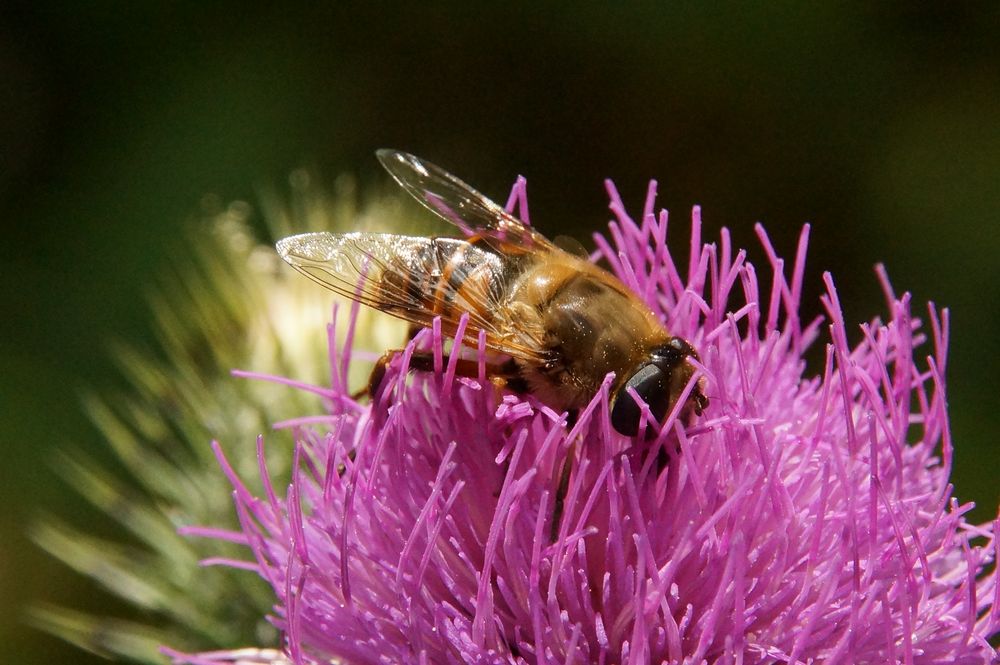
(454,276)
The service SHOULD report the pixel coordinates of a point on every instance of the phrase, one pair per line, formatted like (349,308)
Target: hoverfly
(562,321)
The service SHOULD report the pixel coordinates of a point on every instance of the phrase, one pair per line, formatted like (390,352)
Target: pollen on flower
(800,519)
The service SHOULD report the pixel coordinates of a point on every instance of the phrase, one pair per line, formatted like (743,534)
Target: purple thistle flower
(801,519)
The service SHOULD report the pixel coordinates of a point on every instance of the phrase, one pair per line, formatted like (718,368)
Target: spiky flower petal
(802,519)
(225,303)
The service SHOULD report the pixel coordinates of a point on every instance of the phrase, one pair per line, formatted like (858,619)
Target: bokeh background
(878,124)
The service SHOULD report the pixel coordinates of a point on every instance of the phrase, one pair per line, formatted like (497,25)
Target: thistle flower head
(801,519)
(223,303)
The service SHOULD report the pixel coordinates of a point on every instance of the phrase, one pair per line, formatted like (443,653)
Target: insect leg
(504,375)
(561,490)
(377,375)
(558,506)
(342,467)
(412,330)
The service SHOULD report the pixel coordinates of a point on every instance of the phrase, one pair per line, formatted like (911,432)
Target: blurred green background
(880,125)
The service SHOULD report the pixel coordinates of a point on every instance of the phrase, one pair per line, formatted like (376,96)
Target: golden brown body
(587,322)
(564,322)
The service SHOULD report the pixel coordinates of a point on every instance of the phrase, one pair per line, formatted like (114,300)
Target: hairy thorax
(587,325)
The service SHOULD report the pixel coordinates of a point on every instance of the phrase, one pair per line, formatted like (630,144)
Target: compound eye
(651,384)
(674,351)
(681,346)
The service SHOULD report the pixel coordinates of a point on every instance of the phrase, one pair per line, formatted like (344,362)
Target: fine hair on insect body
(558,323)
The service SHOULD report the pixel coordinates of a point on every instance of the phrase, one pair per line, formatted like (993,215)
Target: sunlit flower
(226,302)
(803,518)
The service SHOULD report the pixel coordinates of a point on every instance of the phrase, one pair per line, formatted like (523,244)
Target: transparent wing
(417,279)
(455,201)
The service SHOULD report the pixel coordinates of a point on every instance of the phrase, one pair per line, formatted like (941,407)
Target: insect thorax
(588,328)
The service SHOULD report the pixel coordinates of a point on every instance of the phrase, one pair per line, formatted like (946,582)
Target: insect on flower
(562,322)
